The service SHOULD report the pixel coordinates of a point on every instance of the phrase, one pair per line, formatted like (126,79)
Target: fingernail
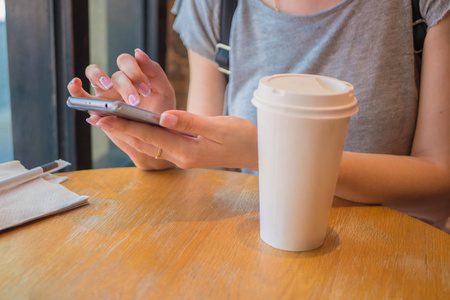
(144,89)
(106,82)
(168,120)
(91,122)
(133,100)
(140,51)
(103,126)
(73,80)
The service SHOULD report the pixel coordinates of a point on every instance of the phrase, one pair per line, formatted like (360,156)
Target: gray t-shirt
(367,43)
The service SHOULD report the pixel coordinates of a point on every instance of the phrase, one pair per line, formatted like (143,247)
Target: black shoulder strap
(419,27)
(223,47)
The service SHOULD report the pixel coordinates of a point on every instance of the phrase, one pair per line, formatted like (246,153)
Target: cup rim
(346,86)
(341,111)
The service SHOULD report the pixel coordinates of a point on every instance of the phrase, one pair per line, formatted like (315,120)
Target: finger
(128,65)
(153,71)
(75,88)
(97,89)
(140,152)
(136,148)
(148,134)
(185,122)
(126,88)
(98,78)
(93,119)
(125,144)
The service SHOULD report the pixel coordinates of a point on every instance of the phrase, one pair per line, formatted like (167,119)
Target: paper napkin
(33,200)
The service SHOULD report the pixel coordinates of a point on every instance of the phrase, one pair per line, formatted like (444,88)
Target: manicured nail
(103,126)
(140,51)
(73,80)
(133,100)
(91,122)
(106,82)
(168,120)
(144,89)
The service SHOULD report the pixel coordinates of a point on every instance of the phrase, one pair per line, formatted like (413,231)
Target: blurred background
(44,44)
(6,149)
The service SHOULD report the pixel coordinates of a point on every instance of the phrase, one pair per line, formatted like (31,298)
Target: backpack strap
(223,47)
(419,28)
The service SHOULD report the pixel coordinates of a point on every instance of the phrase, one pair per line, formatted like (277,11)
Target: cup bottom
(294,247)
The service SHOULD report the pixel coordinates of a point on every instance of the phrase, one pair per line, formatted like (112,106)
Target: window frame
(48,45)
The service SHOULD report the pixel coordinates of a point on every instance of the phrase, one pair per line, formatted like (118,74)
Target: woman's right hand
(139,82)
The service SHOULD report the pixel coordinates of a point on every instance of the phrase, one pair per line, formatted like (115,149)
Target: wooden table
(194,234)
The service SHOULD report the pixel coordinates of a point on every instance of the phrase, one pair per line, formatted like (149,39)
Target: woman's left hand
(221,141)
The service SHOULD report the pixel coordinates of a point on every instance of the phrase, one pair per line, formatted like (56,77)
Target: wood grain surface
(194,234)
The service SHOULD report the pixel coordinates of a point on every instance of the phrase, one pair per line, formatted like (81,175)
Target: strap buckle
(419,28)
(223,58)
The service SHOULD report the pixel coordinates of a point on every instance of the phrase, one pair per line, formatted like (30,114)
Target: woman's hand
(139,82)
(221,141)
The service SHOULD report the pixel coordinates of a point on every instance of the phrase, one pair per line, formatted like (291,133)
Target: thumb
(75,88)
(183,121)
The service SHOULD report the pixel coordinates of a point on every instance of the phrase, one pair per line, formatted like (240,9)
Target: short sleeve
(197,23)
(434,10)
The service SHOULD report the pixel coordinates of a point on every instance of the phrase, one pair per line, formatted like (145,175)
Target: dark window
(49,43)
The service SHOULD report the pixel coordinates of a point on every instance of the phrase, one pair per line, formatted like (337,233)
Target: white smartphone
(118,109)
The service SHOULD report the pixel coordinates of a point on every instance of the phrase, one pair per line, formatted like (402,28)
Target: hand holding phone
(114,108)
(118,109)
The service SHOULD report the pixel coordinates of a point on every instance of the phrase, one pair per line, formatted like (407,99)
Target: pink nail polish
(133,100)
(168,120)
(106,82)
(144,89)
(91,122)
(103,126)
(137,50)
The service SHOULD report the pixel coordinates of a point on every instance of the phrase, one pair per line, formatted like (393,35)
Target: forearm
(206,87)
(419,184)
(392,179)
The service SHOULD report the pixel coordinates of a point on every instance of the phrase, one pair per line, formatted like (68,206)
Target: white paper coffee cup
(302,126)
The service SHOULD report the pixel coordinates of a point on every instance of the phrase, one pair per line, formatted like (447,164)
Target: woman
(398,148)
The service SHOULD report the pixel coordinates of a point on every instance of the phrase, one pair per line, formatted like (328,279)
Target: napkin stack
(36,199)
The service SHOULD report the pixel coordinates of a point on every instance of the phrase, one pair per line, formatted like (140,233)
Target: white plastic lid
(315,94)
